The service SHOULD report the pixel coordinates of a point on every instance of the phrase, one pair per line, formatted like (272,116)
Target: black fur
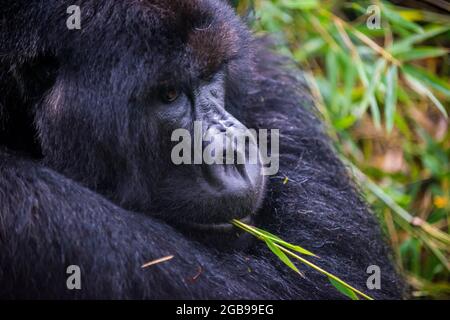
(75,192)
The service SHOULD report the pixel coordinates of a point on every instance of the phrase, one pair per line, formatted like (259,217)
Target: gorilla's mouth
(217,227)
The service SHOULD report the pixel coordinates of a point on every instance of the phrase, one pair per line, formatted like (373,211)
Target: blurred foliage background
(380,76)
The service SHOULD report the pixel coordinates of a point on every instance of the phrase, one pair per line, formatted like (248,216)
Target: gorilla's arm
(48,222)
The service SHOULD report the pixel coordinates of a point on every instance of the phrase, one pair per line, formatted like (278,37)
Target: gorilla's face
(197,193)
(109,119)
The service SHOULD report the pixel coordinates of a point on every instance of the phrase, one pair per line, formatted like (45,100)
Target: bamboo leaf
(343,289)
(276,239)
(264,235)
(282,252)
(282,256)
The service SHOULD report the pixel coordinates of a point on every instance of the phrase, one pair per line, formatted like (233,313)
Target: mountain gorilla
(86,176)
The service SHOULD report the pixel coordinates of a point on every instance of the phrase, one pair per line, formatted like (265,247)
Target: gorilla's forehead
(153,40)
(199,35)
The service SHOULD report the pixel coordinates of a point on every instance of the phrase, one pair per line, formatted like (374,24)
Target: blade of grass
(427,78)
(422,88)
(397,209)
(421,53)
(157,261)
(379,67)
(362,37)
(396,18)
(391,97)
(405,44)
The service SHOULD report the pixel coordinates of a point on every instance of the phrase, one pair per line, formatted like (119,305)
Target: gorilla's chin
(207,197)
(201,202)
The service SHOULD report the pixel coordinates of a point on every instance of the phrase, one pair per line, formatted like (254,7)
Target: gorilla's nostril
(218,127)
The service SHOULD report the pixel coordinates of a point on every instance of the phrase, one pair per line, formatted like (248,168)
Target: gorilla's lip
(217,227)
(235,178)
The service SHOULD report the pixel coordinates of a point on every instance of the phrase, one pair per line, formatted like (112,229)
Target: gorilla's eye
(170,94)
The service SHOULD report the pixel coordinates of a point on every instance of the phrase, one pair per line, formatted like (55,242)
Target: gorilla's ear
(24,82)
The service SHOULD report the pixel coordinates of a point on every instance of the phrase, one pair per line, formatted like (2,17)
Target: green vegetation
(283,249)
(385,95)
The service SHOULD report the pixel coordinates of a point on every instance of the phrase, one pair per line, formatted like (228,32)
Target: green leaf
(405,44)
(309,48)
(280,241)
(343,289)
(391,97)
(422,89)
(369,96)
(361,72)
(344,122)
(280,251)
(300,5)
(375,111)
(428,78)
(332,76)
(349,81)
(398,20)
(421,53)
(282,256)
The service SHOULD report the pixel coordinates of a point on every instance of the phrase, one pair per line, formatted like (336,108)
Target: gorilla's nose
(225,143)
